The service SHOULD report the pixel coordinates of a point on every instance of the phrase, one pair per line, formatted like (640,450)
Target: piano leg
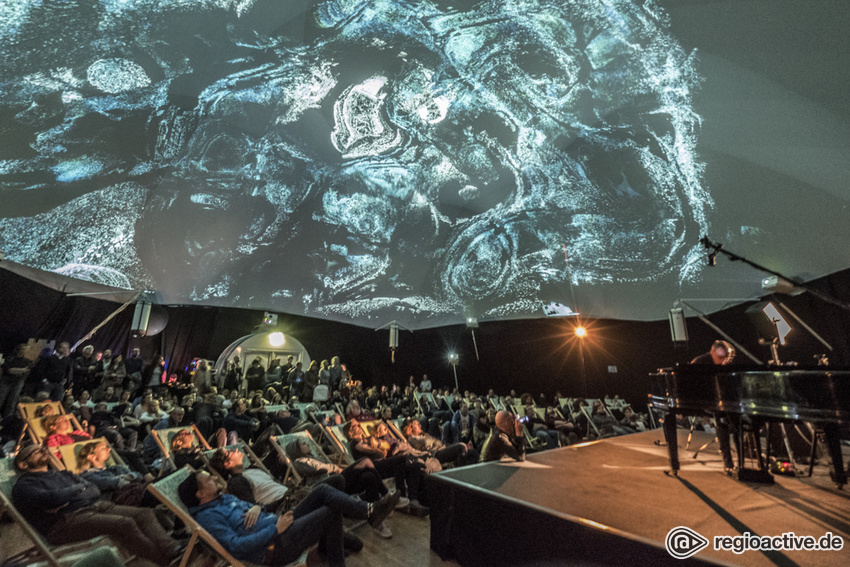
(672,442)
(833,442)
(723,440)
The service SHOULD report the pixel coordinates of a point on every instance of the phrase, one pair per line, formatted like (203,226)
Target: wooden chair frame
(250,455)
(54,556)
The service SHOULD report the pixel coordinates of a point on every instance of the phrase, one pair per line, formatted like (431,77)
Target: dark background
(540,355)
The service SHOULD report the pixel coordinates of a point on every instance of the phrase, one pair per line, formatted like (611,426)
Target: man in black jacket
(65,508)
(58,372)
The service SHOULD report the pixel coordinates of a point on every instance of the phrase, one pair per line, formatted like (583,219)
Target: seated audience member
(184,451)
(354,411)
(537,428)
(116,483)
(65,508)
(632,420)
(407,470)
(483,427)
(84,401)
(250,534)
(605,423)
(58,429)
(461,426)
(107,424)
(506,439)
(565,428)
(174,419)
(458,453)
(251,484)
(153,414)
(360,477)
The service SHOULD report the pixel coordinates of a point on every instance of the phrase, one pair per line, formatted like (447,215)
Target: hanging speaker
(393,336)
(678,326)
(141,318)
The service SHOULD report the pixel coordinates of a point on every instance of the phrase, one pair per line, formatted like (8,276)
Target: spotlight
(581,332)
(454,359)
(276,340)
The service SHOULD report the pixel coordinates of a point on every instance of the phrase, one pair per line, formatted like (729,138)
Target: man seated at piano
(721,353)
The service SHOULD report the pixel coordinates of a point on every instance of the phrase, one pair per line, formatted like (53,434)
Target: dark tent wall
(537,356)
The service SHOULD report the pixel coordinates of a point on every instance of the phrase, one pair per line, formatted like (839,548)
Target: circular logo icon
(683,542)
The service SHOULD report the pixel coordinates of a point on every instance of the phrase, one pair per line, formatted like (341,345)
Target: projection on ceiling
(364,161)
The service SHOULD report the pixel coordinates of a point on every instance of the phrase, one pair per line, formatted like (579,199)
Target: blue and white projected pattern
(360,160)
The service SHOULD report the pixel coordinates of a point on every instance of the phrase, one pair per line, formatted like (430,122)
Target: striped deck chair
(42,553)
(165,491)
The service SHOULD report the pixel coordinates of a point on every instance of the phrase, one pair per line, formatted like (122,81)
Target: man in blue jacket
(247,532)
(65,508)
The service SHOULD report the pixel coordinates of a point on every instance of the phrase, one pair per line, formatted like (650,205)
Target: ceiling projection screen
(368,161)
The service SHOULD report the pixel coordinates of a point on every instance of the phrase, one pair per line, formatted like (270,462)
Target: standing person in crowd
(154,375)
(274,374)
(201,377)
(425,384)
(325,374)
(104,367)
(15,370)
(84,371)
(114,375)
(64,508)
(58,372)
(311,380)
(296,380)
(255,376)
(233,377)
(134,366)
(335,371)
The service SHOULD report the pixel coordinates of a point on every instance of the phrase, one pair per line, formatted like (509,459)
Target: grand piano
(745,398)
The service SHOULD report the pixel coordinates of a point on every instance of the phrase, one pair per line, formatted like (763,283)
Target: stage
(609,502)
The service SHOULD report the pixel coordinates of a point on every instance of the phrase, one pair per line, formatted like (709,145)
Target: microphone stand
(718,247)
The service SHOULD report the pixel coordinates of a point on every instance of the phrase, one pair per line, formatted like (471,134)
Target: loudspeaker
(393,336)
(678,326)
(141,318)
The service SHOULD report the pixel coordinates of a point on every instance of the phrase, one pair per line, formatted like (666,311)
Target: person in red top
(58,428)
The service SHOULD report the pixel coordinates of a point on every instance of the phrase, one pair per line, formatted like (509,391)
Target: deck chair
(280,442)
(590,425)
(163,439)
(71,455)
(42,553)
(339,443)
(33,427)
(250,459)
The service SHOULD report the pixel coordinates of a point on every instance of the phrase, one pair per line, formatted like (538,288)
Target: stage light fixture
(454,359)
(276,340)
(581,332)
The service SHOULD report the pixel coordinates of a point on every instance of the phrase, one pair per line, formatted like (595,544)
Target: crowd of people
(395,436)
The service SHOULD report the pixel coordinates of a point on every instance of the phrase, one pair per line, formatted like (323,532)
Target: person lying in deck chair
(360,477)
(246,531)
(65,508)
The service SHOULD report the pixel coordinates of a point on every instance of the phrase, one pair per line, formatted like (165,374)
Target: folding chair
(280,442)
(586,411)
(165,491)
(71,455)
(163,439)
(339,442)
(33,427)
(250,458)
(58,556)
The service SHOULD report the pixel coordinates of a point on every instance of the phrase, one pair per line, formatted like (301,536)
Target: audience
(104,393)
